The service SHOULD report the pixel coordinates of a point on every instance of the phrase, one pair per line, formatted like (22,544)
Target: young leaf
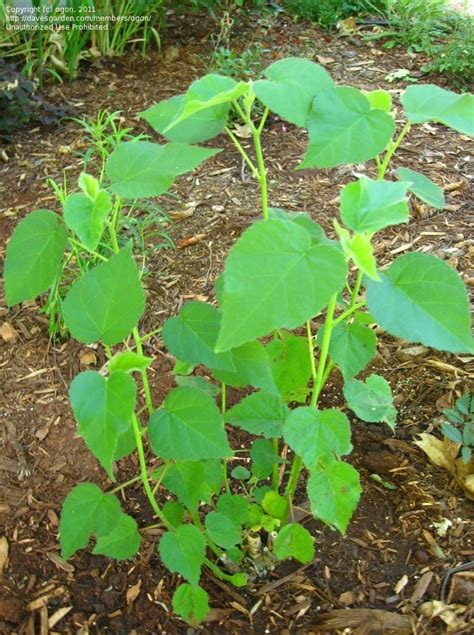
(174,512)
(234,507)
(344,129)
(275,505)
(263,458)
(368,206)
(183,551)
(129,362)
(380,99)
(103,409)
(241,473)
(432,103)
(352,347)
(191,603)
(313,433)
(86,217)
(106,302)
(291,87)
(89,185)
(188,427)
(260,413)
(275,278)
(34,253)
(359,248)
(122,542)
(291,366)
(187,480)
(199,383)
(371,400)
(222,530)
(334,491)
(294,541)
(422,299)
(423,187)
(140,169)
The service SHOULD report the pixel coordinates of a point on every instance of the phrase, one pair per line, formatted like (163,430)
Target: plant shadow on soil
(41,457)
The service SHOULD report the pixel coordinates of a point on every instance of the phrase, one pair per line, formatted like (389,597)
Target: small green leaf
(294,541)
(182,368)
(183,552)
(234,507)
(259,493)
(275,505)
(187,480)
(263,458)
(106,302)
(255,513)
(334,491)
(291,366)
(359,248)
(371,400)
(34,253)
(423,187)
(239,580)
(89,185)
(200,383)
(380,100)
(241,473)
(86,217)
(122,542)
(222,530)
(191,603)
(129,362)
(188,427)
(173,511)
(260,413)
(352,346)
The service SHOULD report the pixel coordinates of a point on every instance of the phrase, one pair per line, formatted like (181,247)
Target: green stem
(262,172)
(225,462)
(122,486)
(275,469)
(311,351)
(328,325)
(382,167)
(355,290)
(348,312)
(150,334)
(217,572)
(76,243)
(143,373)
(243,154)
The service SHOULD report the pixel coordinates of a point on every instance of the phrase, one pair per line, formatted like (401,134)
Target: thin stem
(77,243)
(348,312)
(356,289)
(262,172)
(328,325)
(243,154)
(225,462)
(150,334)
(125,484)
(263,120)
(143,373)
(217,572)
(382,168)
(275,469)
(311,351)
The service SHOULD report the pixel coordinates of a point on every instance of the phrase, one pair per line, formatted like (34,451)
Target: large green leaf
(122,542)
(191,603)
(294,541)
(86,216)
(371,400)
(334,491)
(222,530)
(260,413)
(367,205)
(188,427)
(352,346)
(291,366)
(423,187)
(432,103)
(274,278)
(183,552)
(34,253)
(106,302)
(139,169)
(103,409)
(344,129)
(422,299)
(313,433)
(291,87)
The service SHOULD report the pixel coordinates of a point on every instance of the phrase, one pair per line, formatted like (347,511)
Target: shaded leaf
(294,541)
(191,603)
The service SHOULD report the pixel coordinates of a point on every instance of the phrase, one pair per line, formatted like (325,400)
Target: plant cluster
(292,306)
(459,425)
(329,12)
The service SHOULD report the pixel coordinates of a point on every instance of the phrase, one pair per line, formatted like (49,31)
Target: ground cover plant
(282,274)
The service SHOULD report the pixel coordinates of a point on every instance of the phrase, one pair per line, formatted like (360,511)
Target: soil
(393,558)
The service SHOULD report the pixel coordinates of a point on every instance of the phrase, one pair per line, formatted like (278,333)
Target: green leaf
(368,206)
(182,368)
(371,400)
(344,129)
(312,434)
(199,383)
(432,103)
(106,302)
(86,217)
(239,580)
(423,187)
(222,530)
(380,100)
(252,367)
(275,505)
(263,458)
(140,169)
(34,253)
(259,493)
(302,219)
(260,413)
(352,346)
(173,511)
(122,542)
(188,427)
(86,510)
(103,409)
(275,278)
(291,87)
(187,480)
(291,366)
(359,248)
(234,507)
(241,473)
(294,541)
(125,444)
(422,299)
(183,552)
(89,185)
(334,492)
(255,514)
(191,603)
(129,362)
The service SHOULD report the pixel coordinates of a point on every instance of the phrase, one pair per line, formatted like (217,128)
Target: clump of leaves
(329,12)
(459,425)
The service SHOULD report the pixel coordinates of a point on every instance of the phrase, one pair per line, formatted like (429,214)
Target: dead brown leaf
(133,592)
(191,240)
(324,60)
(366,621)
(3,554)
(87,358)
(8,333)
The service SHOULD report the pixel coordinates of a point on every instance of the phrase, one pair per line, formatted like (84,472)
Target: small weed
(459,425)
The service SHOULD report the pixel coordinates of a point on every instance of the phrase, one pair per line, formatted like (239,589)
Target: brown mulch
(392,558)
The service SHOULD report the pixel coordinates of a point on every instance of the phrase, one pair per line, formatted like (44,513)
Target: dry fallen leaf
(3,554)
(346,598)
(242,131)
(133,592)
(191,240)
(8,333)
(87,358)
(324,60)
(401,584)
(441,453)
(368,621)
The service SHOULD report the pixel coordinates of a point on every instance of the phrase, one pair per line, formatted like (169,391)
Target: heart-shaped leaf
(260,413)
(371,400)
(294,541)
(423,187)
(183,551)
(352,346)
(191,603)
(122,542)
(86,216)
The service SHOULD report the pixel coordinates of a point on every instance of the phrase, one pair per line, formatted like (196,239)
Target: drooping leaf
(260,413)
(275,278)
(140,169)
(222,530)
(103,409)
(294,541)
(313,433)
(427,102)
(352,346)
(106,302)
(122,542)
(380,99)
(187,480)
(296,77)
(183,551)
(422,299)
(371,400)
(86,217)
(129,362)
(368,205)
(34,253)
(234,507)
(188,427)
(334,491)
(263,457)
(344,129)
(423,187)
(291,366)
(275,505)
(191,603)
